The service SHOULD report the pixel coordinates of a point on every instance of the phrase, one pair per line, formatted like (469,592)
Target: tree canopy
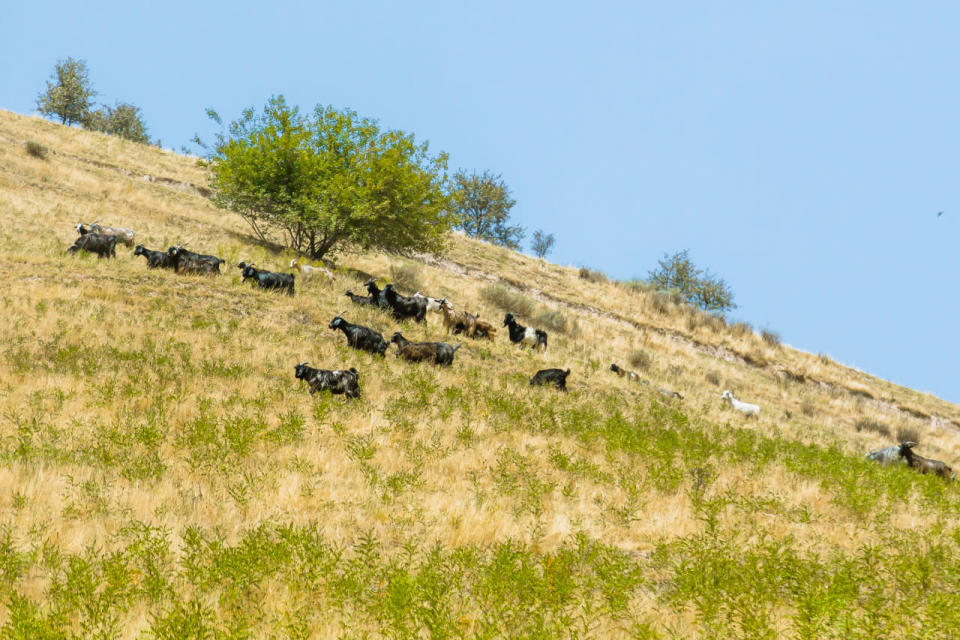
(331,179)
(124,120)
(698,287)
(482,203)
(68,92)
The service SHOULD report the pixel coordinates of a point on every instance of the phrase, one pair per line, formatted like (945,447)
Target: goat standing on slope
(525,336)
(745,408)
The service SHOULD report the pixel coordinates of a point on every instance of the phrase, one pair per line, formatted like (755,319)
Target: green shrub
(772,338)
(640,359)
(406,276)
(553,320)
(873,426)
(592,275)
(36,149)
(505,299)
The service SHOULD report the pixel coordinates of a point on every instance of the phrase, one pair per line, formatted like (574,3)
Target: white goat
(743,407)
(433,304)
(887,456)
(308,270)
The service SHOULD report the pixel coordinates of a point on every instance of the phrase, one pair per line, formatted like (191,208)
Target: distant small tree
(542,243)
(482,203)
(698,287)
(68,93)
(123,120)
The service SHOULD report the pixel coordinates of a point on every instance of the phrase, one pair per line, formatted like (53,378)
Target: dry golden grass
(136,396)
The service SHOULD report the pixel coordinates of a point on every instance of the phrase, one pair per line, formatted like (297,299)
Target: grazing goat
(743,407)
(460,321)
(155,259)
(379,297)
(361,300)
(440,352)
(536,338)
(556,377)
(190,262)
(433,304)
(360,337)
(887,456)
(123,235)
(336,381)
(921,464)
(308,271)
(103,245)
(267,279)
(620,371)
(404,307)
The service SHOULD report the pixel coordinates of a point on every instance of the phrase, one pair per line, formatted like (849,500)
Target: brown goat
(921,464)
(438,352)
(483,329)
(620,371)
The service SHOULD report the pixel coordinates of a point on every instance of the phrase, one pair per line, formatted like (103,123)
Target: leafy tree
(124,120)
(542,243)
(331,179)
(68,93)
(699,288)
(482,203)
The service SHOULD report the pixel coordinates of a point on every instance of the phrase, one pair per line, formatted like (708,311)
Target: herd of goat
(102,240)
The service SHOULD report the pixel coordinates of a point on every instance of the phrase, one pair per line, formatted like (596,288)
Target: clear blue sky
(799,150)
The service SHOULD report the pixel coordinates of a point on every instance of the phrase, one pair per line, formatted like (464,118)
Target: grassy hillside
(165,476)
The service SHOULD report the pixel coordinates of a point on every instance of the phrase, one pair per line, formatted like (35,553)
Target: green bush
(506,300)
(36,149)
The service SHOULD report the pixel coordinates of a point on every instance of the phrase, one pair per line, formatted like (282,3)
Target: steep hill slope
(165,474)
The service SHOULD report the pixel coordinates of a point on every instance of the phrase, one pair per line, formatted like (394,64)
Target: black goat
(269,280)
(404,307)
(556,377)
(360,337)
(190,262)
(336,381)
(361,300)
(378,296)
(103,245)
(439,352)
(155,259)
(921,464)
(536,338)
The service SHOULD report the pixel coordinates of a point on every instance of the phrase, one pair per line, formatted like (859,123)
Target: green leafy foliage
(69,92)
(124,120)
(698,287)
(482,203)
(331,179)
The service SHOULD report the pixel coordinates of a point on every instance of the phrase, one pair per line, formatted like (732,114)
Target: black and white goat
(360,337)
(519,334)
(336,382)
(556,377)
(155,259)
(439,352)
(404,307)
(103,245)
(433,304)
(268,279)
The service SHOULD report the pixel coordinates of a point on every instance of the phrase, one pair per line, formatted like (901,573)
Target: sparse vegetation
(697,287)
(542,243)
(741,329)
(592,275)
(506,300)
(406,276)
(771,338)
(908,433)
(36,149)
(873,426)
(640,359)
